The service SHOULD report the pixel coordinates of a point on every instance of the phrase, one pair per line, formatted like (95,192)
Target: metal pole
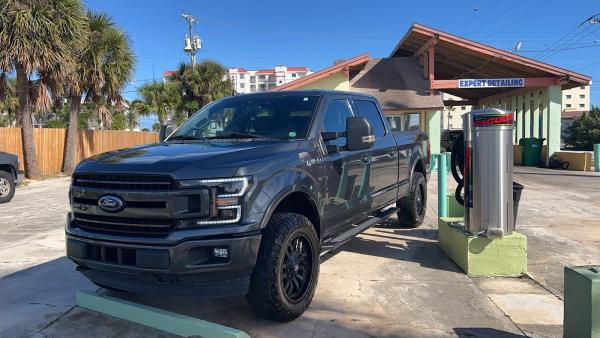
(442,185)
(597,157)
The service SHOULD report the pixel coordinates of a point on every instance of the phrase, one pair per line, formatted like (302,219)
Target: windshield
(285,117)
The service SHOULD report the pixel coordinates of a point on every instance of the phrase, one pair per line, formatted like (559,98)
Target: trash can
(517,189)
(531,151)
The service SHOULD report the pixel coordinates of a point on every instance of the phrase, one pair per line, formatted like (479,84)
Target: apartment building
(262,80)
(576,99)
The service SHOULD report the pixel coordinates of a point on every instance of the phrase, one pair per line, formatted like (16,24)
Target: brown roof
(397,83)
(336,68)
(460,58)
(572,114)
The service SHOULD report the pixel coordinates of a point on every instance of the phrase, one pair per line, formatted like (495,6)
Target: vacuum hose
(457,161)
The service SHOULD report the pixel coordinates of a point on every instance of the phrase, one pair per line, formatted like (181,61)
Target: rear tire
(7,186)
(414,205)
(287,268)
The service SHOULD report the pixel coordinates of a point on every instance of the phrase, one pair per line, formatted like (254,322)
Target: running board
(357,229)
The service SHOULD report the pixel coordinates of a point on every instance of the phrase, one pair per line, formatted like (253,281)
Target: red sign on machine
(493,120)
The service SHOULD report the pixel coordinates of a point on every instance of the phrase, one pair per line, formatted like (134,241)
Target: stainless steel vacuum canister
(488,172)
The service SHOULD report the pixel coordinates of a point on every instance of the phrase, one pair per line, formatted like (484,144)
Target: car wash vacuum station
(483,242)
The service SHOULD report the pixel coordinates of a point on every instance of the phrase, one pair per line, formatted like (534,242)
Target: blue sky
(262,34)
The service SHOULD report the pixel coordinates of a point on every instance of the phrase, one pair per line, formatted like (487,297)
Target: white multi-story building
(262,80)
(576,99)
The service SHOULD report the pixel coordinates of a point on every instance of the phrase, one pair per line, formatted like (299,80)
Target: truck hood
(187,160)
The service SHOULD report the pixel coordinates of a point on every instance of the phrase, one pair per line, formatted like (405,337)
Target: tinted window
(411,122)
(338,110)
(368,110)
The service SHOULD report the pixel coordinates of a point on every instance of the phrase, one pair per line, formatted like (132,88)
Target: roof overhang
(460,58)
(345,66)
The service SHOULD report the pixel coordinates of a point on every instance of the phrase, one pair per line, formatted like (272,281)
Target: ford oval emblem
(111,203)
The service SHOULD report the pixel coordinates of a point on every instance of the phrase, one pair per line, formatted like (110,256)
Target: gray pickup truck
(244,197)
(10,176)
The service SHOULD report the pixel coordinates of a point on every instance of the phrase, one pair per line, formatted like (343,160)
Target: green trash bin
(531,151)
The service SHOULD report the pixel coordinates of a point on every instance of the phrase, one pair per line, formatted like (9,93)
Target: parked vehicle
(10,176)
(447,139)
(244,197)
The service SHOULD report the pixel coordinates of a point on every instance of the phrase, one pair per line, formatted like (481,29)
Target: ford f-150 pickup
(244,197)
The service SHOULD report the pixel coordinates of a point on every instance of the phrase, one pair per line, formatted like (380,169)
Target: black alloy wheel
(296,272)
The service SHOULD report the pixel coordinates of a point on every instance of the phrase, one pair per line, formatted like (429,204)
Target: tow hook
(166,279)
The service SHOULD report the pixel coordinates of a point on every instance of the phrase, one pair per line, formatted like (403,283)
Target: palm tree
(203,83)
(39,38)
(9,103)
(163,99)
(103,69)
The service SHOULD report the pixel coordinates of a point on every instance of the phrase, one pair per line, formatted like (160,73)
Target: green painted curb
(167,321)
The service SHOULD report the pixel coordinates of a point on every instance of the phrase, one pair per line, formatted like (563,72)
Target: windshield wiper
(183,137)
(238,135)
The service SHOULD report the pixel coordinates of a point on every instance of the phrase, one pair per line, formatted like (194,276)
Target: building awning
(397,83)
(460,58)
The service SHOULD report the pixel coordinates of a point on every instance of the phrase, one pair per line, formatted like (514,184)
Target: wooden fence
(50,144)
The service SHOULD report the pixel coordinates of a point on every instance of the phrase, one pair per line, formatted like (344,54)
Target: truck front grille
(124,225)
(124,182)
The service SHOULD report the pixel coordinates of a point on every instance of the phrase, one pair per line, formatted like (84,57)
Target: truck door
(384,162)
(347,192)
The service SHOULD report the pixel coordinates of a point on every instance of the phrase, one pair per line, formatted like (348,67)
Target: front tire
(414,205)
(7,186)
(287,268)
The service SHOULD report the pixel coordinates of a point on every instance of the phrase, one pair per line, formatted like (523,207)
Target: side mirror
(359,133)
(165,131)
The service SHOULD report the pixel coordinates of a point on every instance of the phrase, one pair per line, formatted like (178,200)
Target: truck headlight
(225,198)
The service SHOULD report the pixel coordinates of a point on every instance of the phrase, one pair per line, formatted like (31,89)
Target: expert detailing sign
(491,83)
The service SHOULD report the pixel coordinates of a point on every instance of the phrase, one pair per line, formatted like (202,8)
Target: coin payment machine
(482,165)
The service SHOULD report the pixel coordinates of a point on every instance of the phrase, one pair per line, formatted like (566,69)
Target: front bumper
(20,177)
(186,268)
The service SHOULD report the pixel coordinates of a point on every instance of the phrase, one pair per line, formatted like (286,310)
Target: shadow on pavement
(479,332)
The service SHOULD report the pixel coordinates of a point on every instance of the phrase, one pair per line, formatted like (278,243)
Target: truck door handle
(392,153)
(366,158)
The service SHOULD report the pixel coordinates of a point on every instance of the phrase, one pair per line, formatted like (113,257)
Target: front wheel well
(300,203)
(9,169)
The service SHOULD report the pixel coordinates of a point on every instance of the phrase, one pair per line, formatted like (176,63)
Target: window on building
(261,77)
(395,122)
(411,122)
(582,96)
(252,88)
(242,85)
(568,105)
(241,76)
(335,119)
(369,110)
(252,79)
(581,105)
(262,87)
(294,74)
(582,87)
(568,96)
(463,108)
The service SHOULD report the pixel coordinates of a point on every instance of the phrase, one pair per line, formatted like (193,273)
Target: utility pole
(192,41)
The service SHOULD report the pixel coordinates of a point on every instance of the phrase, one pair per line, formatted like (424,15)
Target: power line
(558,42)
(569,44)
(517,3)
(520,18)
